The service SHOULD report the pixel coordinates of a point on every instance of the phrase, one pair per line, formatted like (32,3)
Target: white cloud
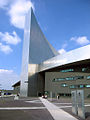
(10,39)
(5,71)
(17,12)
(81,40)
(17,9)
(61,51)
(7,78)
(5,48)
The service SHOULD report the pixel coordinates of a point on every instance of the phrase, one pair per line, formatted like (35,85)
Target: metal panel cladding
(36,49)
(25,56)
(66,58)
(40,49)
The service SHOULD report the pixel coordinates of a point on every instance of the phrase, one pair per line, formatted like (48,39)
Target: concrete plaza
(39,109)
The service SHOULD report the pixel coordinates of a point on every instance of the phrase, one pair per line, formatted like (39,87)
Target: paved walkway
(57,114)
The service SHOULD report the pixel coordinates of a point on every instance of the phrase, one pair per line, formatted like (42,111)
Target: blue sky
(65,23)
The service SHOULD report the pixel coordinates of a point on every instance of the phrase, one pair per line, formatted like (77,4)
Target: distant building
(44,70)
(16,87)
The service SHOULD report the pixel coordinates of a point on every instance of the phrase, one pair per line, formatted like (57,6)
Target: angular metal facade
(36,49)
(66,58)
(25,57)
(39,48)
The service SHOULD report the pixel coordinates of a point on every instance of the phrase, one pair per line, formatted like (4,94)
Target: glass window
(54,80)
(84,69)
(81,86)
(79,77)
(72,86)
(67,78)
(26,82)
(64,85)
(46,92)
(88,86)
(58,79)
(88,77)
(70,78)
(67,70)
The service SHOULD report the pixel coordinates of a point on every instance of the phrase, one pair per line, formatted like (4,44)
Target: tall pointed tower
(36,49)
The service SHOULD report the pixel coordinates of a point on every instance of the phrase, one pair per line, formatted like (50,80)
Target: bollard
(16,97)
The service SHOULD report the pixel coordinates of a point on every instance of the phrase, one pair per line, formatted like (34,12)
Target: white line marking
(87,105)
(57,114)
(29,108)
(21,108)
(65,106)
(63,103)
(70,106)
(33,101)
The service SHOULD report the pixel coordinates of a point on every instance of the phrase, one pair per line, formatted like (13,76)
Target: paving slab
(66,105)
(57,114)
(42,114)
(23,109)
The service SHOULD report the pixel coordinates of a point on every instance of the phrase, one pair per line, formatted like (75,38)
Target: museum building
(45,71)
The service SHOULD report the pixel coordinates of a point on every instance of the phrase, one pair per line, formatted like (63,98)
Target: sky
(65,24)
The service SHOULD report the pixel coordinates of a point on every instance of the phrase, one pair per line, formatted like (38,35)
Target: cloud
(81,40)
(17,12)
(5,71)
(10,39)
(7,78)
(17,9)
(5,48)
(61,51)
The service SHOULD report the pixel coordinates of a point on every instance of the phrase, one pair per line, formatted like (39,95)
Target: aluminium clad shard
(36,49)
